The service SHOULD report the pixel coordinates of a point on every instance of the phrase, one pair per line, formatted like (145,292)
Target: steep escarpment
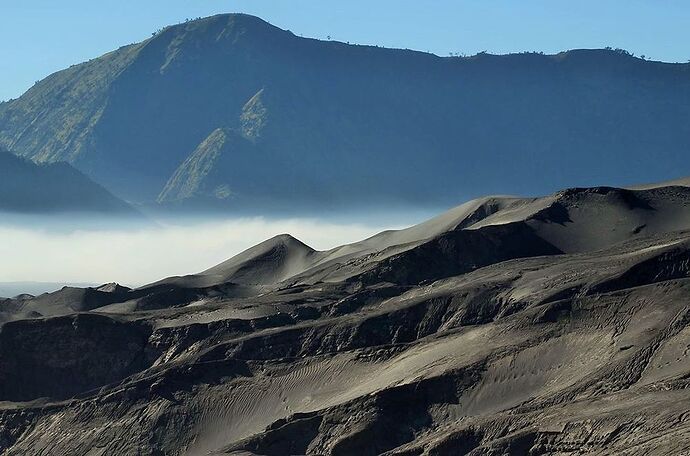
(61,357)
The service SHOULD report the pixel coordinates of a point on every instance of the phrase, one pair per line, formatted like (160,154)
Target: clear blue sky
(38,37)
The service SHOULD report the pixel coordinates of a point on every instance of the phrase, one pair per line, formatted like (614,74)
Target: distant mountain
(28,289)
(26,187)
(232,111)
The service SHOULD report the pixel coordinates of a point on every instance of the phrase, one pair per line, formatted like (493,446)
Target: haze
(136,255)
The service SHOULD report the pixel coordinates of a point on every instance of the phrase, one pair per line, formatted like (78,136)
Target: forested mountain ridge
(230,110)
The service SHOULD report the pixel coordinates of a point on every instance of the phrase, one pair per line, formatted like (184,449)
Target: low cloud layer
(138,256)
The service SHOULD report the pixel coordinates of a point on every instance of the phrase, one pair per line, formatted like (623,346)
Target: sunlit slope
(504,326)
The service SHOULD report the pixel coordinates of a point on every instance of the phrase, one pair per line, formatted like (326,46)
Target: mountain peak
(224,25)
(239,19)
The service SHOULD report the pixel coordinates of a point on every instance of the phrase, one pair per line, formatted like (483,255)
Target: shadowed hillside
(26,187)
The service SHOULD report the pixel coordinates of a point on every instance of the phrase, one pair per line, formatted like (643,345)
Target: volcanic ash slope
(554,325)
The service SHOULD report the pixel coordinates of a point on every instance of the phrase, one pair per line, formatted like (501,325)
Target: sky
(38,37)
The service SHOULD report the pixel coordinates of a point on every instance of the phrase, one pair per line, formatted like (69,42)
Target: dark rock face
(670,265)
(58,358)
(458,252)
(468,334)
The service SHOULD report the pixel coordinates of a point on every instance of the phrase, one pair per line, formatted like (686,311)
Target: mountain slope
(308,122)
(475,234)
(471,333)
(26,187)
(268,263)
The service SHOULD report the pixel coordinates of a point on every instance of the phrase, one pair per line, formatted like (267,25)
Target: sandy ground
(555,325)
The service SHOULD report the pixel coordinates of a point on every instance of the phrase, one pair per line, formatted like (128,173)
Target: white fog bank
(138,256)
